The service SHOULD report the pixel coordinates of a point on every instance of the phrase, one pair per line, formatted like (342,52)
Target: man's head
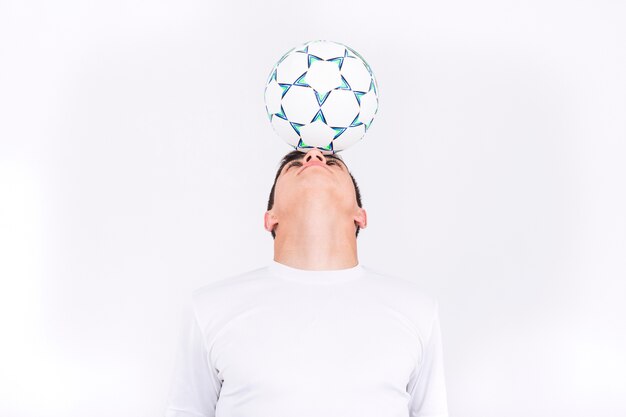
(313,175)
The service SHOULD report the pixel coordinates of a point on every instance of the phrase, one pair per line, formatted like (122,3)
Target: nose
(313,156)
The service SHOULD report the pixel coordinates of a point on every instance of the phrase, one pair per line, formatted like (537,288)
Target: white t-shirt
(284,342)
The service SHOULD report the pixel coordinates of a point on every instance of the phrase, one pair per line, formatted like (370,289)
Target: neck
(314,245)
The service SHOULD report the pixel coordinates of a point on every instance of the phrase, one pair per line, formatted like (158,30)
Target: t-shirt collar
(328,276)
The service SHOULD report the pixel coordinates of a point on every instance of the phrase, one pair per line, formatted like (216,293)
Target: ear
(270,220)
(361,218)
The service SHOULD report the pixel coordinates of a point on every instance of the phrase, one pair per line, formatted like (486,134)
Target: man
(314,333)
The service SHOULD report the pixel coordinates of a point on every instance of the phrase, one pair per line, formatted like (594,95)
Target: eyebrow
(326,156)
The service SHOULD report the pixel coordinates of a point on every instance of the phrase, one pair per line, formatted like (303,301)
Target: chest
(293,348)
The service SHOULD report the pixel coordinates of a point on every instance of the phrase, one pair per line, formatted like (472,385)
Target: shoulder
(405,289)
(420,304)
(219,294)
(227,283)
(409,297)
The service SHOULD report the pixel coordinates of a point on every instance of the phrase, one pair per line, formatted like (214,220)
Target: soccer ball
(321,94)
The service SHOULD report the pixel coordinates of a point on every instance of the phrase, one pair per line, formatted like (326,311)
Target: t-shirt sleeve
(426,386)
(195,386)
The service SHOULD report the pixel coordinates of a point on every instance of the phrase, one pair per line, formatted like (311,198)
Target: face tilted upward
(315,175)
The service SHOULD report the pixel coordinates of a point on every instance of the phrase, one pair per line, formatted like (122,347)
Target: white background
(136,160)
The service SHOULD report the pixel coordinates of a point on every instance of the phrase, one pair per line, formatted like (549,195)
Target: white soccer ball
(321,94)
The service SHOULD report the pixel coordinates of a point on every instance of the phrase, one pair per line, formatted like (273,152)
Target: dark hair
(296,154)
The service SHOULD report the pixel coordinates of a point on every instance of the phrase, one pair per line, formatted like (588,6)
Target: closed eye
(297,163)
